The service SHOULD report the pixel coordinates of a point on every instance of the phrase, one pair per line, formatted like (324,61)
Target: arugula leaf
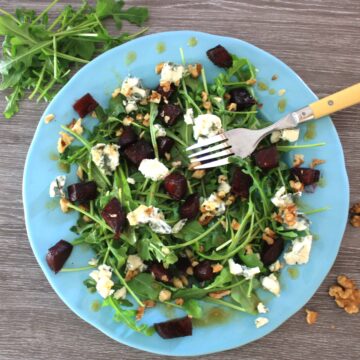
(223,278)
(239,295)
(146,287)
(193,308)
(12,105)
(251,260)
(191,293)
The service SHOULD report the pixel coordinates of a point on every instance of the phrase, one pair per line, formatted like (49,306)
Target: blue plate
(46,225)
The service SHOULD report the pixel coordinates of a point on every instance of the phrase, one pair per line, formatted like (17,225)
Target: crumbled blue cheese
(106,157)
(242,270)
(132,89)
(206,125)
(134,262)
(290,135)
(213,205)
(302,223)
(171,73)
(120,293)
(189,116)
(178,226)
(104,284)
(130,106)
(281,198)
(261,321)
(300,251)
(153,169)
(149,215)
(159,130)
(271,283)
(261,308)
(57,186)
(223,189)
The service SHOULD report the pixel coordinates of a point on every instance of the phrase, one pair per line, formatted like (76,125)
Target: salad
(163,232)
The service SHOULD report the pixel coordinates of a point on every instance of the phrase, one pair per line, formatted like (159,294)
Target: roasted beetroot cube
(220,56)
(166,94)
(82,191)
(241,98)
(85,105)
(58,254)
(164,144)
(175,185)
(307,176)
(267,158)
(127,137)
(174,328)
(158,271)
(139,151)
(204,271)
(190,208)
(170,113)
(114,215)
(270,253)
(182,264)
(241,183)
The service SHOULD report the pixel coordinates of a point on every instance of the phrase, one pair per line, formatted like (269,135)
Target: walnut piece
(298,160)
(140,313)
(179,301)
(355,215)
(48,118)
(311,316)
(195,70)
(164,295)
(316,162)
(198,174)
(219,294)
(217,268)
(346,294)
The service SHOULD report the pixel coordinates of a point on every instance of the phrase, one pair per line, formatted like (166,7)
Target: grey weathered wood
(320,39)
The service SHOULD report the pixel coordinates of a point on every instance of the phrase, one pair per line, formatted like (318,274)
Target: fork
(242,142)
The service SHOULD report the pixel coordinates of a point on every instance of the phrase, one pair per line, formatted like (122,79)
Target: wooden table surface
(320,40)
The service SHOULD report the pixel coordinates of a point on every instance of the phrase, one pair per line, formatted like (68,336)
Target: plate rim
(74,78)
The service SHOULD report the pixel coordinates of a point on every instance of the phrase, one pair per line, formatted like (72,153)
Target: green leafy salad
(164,232)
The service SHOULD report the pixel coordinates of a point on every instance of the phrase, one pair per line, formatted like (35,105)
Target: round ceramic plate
(46,224)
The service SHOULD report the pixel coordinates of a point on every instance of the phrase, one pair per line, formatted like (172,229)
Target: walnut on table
(355,215)
(311,316)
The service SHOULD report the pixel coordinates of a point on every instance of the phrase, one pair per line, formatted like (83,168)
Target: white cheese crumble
(189,116)
(159,130)
(130,106)
(57,186)
(149,215)
(302,223)
(106,157)
(93,262)
(134,262)
(130,180)
(214,205)
(224,188)
(261,308)
(271,283)
(281,199)
(242,270)
(290,135)
(300,251)
(261,321)
(206,125)
(120,293)
(131,88)
(104,284)
(178,226)
(153,169)
(276,266)
(171,73)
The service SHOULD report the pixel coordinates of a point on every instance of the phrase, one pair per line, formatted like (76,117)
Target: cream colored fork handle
(336,102)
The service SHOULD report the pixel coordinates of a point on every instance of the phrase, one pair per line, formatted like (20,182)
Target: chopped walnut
(217,268)
(222,179)
(296,185)
(194,263)
(64,141)
(64,205)
(232,107)
(230,200)
(119,131)
(179,301)
(195,70)
(189,253)
(159,67)
(139,117)
(48,118)
(207,105)
(146,121)
(140,313)
(205,218)
(346,294)
(167,156)
(219,294)
(277,217)
(155,97)
(76,126)
(164,295)
(193,165)
(355,209)
(298,160)
(235,225)
(316,162)
(274,77)
(251,82)
(85,208)
(128,120)
(311,316)
(166,86)
(248,250)
(204,96)
(116,92)
(131,274)
(149,303)
(184,280)
(227,96)
(177,283)
(198,174)
(80,173)
(290,214)
(268,236)
(355,215)
(190,271)
(176,163)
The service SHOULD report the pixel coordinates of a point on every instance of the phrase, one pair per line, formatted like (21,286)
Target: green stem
(55,58)
(203,76)
(11,16)
(153,113)
(77,269)
(224,303)
(171,135)
(48,87)
(293,147)
(38,83)
(44,12)
(78,137)
(314,211)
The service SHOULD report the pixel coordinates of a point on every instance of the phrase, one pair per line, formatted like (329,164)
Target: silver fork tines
(210,149)
(215,155)
(203,143)
(213,164)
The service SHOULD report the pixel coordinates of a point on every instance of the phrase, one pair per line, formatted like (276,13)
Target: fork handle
(335,102)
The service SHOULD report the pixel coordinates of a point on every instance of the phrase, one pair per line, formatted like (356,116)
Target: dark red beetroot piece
(270,253)
(241,183)
(58,254)
(204,271)
(267,158)
(114,215)
(85,105)
(175,185)
(170,113)
(307,176)
(182,264)
(127,137)
(174,328)
(164,144)
(166,94)
(159,272)
(220,56)
(190,208)
(241,98)
(139,151)
(82,191)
